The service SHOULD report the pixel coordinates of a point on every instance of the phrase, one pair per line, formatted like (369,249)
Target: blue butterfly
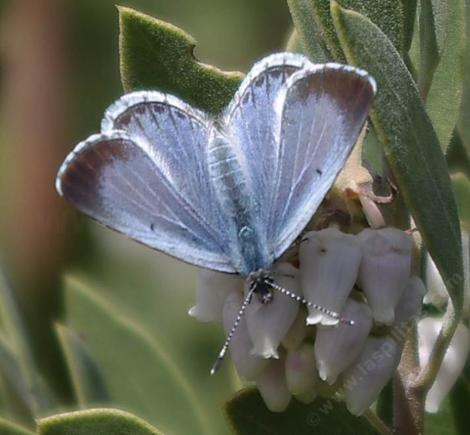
(232,193)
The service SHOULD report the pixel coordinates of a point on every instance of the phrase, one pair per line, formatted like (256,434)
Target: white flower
(338,347)
(248,366)
(411,301)
(385,269)
(363,381)
(301,373)
(268,323)
(329,264)
(211,291)
(296,333)
(453,363)
(437,293)
(272,386)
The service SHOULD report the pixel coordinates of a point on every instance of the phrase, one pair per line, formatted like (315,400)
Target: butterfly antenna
(297,298)
(241,313)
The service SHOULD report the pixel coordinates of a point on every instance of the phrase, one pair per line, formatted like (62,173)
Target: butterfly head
(260,283)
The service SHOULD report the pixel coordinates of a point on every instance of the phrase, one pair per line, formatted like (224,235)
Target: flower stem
(428,374)
(377,423)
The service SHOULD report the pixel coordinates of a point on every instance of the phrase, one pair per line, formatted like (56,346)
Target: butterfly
(229,193)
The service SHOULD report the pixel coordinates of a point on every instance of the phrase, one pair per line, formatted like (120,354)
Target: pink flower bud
(268,323)
(211,291)
(272,386)
(329,264)
(385,269)
(338,347)
(248,366)
(301,373)
(411,301)
(452,364)
(364,380)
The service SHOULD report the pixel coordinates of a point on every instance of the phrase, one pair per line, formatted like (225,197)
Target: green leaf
(139,375)
(428,51)
(441,423)
(157,55)
(464,124)
(409,14)
(387,14)
(444,96)
(410,143)
(17,338)
(461,186)
(249,416)
(86,376)
(20,401)
(9,428)
(95,422)
(310,38)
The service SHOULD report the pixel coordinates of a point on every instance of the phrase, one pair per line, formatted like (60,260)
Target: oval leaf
(445,93)
(87,380)
(96,422)
(248,415)
(410,143)
(303,16)
(9,428)
(157,55)
(387,14)
(139,375)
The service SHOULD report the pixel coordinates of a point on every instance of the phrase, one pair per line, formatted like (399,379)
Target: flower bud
(453,363)
(301,373)
(211,291)
(296,333)
(248,366)
(364,380)
(338,347)
(272,386)
(411,300)
(268,323)
(385,269)
(437,293)
(329,264)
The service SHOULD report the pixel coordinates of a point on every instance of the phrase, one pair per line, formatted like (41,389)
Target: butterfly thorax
(245,240)
(259,283)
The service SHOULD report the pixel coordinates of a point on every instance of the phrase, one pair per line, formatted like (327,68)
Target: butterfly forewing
(115,180)
(322,113)
(176,137)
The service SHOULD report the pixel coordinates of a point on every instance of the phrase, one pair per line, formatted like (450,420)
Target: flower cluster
(291,350)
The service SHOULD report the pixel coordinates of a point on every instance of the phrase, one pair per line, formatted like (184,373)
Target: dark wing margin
(322,109)
(116,181)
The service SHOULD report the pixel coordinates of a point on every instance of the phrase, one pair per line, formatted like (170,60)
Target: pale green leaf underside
(445,93)
(95,422)
(87,380)
(249,416)
(310,38)
(9,428)
(410,143)
(387,14)
(158,55)
(138,374)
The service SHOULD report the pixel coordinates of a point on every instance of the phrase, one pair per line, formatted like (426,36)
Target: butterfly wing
(253,124)
(322,109)
(146,176)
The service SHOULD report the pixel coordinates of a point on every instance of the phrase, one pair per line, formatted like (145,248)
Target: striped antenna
(241,313)
(246,302)
(297,298)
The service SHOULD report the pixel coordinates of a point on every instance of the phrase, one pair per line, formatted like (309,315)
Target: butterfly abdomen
(244,238)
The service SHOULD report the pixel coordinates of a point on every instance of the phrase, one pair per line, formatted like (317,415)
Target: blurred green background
(59,71)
